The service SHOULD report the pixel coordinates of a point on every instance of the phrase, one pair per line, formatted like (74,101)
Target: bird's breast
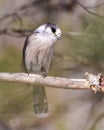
(37,54)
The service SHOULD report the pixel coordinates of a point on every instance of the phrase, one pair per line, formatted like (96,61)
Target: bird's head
(51,30)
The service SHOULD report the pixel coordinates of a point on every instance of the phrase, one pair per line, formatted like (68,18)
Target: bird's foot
(43,74)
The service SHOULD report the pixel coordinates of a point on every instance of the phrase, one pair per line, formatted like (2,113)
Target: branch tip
(94,81)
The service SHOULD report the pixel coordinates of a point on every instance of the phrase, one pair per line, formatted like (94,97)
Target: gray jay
(38,52)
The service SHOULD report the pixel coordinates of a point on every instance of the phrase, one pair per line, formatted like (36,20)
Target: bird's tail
(39,100)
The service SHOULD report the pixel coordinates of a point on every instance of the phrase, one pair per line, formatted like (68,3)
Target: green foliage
(13,97)
(10,60)
(87,47)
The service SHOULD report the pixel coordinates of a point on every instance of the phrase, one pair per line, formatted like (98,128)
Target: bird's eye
(53,30)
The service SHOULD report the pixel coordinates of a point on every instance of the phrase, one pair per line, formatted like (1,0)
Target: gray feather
(38,54)
(37,59)
(39,100)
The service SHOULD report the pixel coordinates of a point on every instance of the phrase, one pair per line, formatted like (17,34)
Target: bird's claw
(43,74)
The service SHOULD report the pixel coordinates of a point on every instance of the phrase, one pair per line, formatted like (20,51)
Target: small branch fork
(94,82)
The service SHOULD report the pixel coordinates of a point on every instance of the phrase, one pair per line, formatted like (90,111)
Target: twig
(90,12)
(96,6)
(55,82)
(16,32)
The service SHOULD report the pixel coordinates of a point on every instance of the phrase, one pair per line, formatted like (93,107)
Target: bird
(37,57)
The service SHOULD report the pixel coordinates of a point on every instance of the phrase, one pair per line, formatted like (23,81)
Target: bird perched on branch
(38,52)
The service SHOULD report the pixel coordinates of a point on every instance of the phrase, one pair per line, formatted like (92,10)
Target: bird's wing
(23,66)
(37,54)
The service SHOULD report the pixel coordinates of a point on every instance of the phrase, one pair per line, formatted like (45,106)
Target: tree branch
(30,9)
(90,12)
(96,6)
(55,82)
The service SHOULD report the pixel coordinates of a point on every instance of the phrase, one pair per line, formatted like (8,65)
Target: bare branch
(96,6)
(36,6)
(48,81)
(16,32)
(90,12)
(22,9)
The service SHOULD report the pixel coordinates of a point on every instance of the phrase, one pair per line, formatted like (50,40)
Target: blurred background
(80,50)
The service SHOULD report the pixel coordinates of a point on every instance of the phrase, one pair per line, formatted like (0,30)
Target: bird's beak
(58,36)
